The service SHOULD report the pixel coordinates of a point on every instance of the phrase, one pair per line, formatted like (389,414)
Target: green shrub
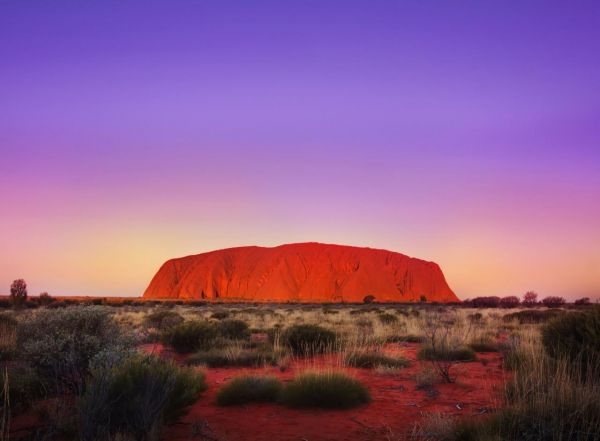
(308,339)
(575,336)
(62,344)
(234,329)
(190,336)
(249,389)
(533,316)
(545,401)
(325,390)
(8,336)
(220,315)
(484,345)
(408,338)
(164,319)
(222,357)
(373,359)
(387,319)
(24,387)
(136,397)
(446,354)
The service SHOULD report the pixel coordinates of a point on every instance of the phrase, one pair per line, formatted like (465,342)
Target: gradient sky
(464,132)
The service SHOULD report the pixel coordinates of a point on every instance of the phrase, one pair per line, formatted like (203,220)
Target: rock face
(304,272)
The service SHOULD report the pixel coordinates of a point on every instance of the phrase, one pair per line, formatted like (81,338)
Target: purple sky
(467,133)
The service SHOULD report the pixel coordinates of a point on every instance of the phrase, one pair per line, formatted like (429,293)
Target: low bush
(575,336)
(374,359)
(24,387)
(308,339)
(475,318)
(249,389)
(234,329)
(485,302)
(426,378)
(136,397)
(387,319)
(509,302)
(220,315)
(546,401)
(408,338)
(553,301)
(190,336)
(484,345)
(8,336)
(446,354)
(330,390)
(61,344)
(164,319)
(532,316)
(224,357)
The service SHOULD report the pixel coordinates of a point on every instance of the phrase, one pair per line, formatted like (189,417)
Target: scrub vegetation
(101,370)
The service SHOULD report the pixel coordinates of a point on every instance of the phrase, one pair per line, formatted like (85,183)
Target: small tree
(423,299)
(509,302)
(553,301)
(45,299)
(18,292)
(446,336)
(530,298)
(369,299)
(583,301)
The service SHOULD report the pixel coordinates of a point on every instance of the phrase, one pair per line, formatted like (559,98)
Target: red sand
(303,272)
(396,406)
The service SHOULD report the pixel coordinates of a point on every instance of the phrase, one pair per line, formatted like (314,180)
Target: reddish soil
(397,405)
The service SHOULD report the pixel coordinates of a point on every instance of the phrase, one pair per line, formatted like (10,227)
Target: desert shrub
(387,319)
(24,387)
(373,359)
(332,390)
(240,358)
(582,301)
(483,345)
(330,311)
(553,301)
(446,354)
(249,389)
(368,299)
(575,336)
(406,338)
(546,401)
(234,329)
(475,318)
(308,339)
(136,397)
(190,336)
(45,299)
(532,316)
(513,357)
(8,336)
(486,302)
(220,315)
(509,302)
(61,344)
(163,319)
(426,378)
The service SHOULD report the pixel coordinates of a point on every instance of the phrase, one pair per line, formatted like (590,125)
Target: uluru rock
(303,272)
